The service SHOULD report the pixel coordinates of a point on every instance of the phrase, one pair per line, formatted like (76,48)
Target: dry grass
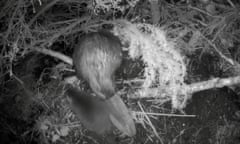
(186,29)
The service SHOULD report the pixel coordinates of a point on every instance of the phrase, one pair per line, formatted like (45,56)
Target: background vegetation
(36,42)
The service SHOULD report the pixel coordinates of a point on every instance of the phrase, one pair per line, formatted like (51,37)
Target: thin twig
(204,12)
(155,11)
(150,123)
(10,25)
(18,79)
(55,54)
(218,32)
(231,3)
(218,51)
(162,114)
(49,5)
(65,29)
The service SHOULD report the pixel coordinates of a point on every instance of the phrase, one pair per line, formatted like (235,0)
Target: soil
(217,118)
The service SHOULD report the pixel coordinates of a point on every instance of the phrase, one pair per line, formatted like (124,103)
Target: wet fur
(96,58)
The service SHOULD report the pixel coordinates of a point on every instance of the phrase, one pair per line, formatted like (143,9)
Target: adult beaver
(96,58)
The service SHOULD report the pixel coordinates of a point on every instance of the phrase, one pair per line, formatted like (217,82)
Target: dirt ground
(217,118)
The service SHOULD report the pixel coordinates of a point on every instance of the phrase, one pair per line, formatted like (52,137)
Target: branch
(195,87)
(214,83)
(155,11)
(65,30)
(49,5)
(231,3)
(161,114)
(218,51)
(204,12)
(55,54)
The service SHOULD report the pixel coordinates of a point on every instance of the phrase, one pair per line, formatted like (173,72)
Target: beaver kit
(96,58)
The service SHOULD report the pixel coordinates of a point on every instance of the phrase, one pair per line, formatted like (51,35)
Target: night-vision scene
(120,72)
